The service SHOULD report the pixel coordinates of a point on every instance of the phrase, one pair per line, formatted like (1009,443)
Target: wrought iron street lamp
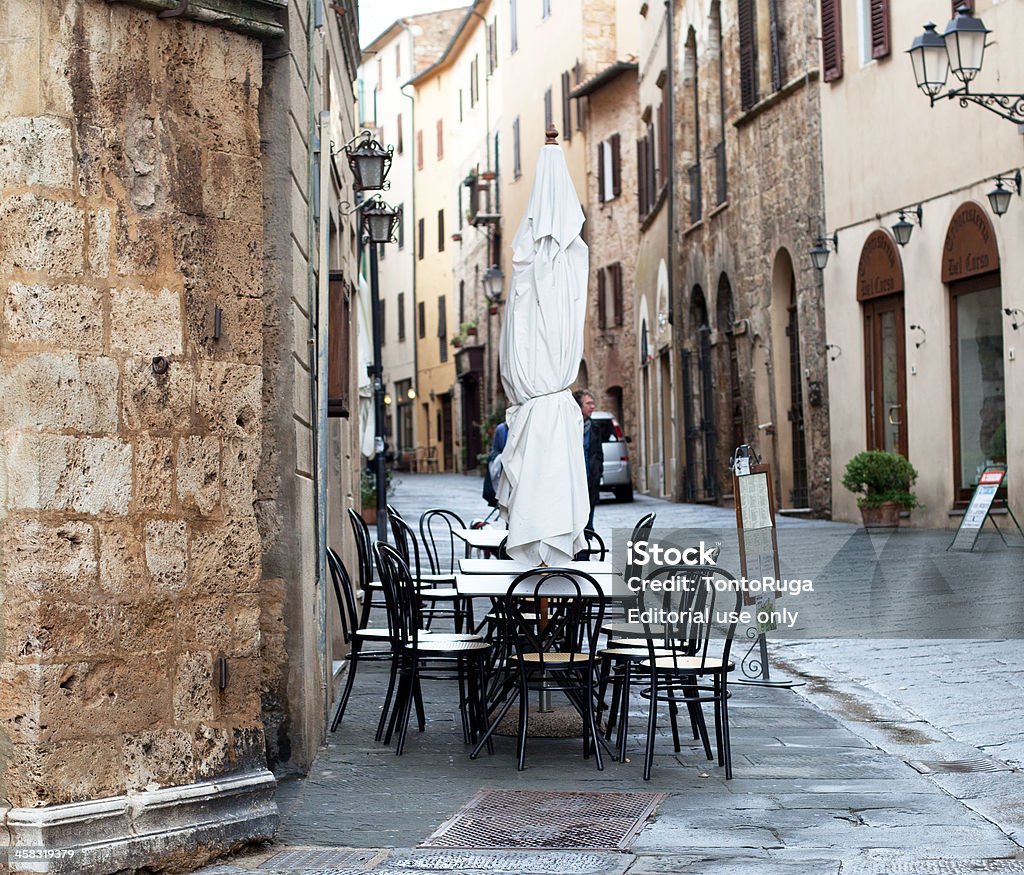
(904,228)
(369,162)
(1000,196)
(819,254)
(960,48)
(494,283)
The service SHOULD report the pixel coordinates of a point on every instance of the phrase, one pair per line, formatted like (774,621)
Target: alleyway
(895,756)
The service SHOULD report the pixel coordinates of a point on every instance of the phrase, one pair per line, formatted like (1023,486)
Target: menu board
(978,509)
(755,524)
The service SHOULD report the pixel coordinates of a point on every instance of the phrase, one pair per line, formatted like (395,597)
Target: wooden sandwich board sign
(979,510)
(759,556)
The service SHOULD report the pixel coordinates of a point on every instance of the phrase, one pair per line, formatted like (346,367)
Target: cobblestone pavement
(896,755)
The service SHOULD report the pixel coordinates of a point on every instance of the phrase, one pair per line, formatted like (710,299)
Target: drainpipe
(670,205)
(412,234)
(317,399)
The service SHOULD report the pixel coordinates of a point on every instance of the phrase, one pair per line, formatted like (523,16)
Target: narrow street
(893,756)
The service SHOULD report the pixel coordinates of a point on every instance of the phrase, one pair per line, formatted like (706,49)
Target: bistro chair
(353,633)
(434,588)
(697,628)
(373,595)
(424,655)
(551,617)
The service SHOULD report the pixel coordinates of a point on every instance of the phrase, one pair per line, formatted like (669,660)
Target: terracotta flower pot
(369,515)
(885,516)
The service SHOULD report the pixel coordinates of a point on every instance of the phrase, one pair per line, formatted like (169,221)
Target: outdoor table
(493,577)
(482,539)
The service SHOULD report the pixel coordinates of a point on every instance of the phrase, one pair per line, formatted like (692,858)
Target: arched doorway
(791,443)
(699,403)
(970,268)
(880,292)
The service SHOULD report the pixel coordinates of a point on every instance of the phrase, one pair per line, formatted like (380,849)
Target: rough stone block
(241,338)
(198,472)
(193,688)
(122,560)
(238,472)
(63,316)
(59,559)
(59,392)
(86,699)
(147,621)
(158,402)
(228,397)
(19,58)
(154,474)
(38,233)
(240,701)
(75,770)
(59,472)
(226,255)
(137,245)
(167,555)
(232,187)
(35,151)
(146,322)
(158,759)
(19,702)
(66,632)
(99,242)
(210,750)
(224,625)
(225,557)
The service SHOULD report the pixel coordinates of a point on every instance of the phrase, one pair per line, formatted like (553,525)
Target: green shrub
(878,476)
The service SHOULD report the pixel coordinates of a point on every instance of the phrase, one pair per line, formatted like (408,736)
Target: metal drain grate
(979,764)
(511,862)
(323,858)
(543,820)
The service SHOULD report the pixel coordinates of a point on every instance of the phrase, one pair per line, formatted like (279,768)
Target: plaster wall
(941,180)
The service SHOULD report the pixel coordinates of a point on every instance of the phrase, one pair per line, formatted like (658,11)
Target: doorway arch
(787,383)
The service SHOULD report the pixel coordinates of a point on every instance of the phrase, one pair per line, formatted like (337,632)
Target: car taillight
(619,436)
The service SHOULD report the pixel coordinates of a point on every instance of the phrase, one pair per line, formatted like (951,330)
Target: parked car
(616,476)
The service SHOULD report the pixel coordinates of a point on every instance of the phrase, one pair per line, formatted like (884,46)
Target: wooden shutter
(615,145)
(831,40)
(442,318)
(566,107)
(401,315)
(641,177)
(617,295)
(601,182)
(602,319)
(440,139)
(399,142)
(419,149)
(748,52)
(879,11)
(421,319)
(664,159)
(440,230)
(778,70)
(338,346)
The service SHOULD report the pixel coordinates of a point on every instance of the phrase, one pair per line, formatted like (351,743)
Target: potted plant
(468,329)
(456,342)
(882,480)
(368,493)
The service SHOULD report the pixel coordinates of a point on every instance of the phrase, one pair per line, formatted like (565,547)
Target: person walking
(593,453)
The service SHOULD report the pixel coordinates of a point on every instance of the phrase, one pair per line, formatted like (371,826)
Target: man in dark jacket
(593,452)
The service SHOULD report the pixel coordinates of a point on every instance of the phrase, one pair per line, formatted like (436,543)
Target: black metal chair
(373,596)
(697,628)
(424,655)
(434,588)
(551,618)
(353,634)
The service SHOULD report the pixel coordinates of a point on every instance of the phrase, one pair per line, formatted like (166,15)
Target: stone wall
(611,353)
(771,211)
(131,204)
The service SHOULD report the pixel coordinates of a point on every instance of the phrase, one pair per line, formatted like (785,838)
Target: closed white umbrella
(364,358)
(543,487)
